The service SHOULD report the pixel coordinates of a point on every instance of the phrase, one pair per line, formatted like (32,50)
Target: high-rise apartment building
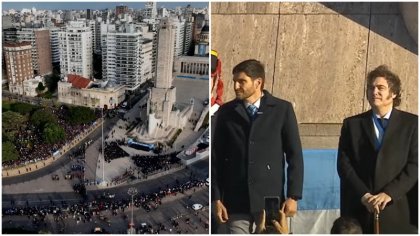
(121,10)
(76,50)
(179,37)
(199,21)
(188,36)
(126,56)
(97,48)
(92,25)
(150,10)
(41,48)
(18,60)
(89,14)
(55,48)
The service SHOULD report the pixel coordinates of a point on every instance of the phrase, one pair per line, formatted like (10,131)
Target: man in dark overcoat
(378,160)
(255,136)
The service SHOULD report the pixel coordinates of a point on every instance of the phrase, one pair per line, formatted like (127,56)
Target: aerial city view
(105,115)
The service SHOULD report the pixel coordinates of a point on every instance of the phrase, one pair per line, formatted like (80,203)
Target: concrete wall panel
(321,74)
(241,37)
(245,8)
(324,8)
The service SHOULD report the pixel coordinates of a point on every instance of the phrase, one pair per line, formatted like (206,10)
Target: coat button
(251,142)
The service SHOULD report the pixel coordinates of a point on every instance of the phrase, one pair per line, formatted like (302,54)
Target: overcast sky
(99,5)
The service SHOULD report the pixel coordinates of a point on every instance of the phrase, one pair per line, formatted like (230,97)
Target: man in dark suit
(255,135)
(377,159)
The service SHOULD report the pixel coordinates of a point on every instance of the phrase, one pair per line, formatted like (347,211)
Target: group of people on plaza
(154,163)
(113,151)
(86,210)
(257,153)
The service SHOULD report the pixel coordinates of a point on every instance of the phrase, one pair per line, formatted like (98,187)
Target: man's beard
(242,95)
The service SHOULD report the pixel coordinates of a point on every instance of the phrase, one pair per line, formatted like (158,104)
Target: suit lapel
(240,109)
(369,130)
(394,120)
(383,157)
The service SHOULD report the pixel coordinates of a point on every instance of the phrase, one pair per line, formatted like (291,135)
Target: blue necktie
(383,123)
(252,110)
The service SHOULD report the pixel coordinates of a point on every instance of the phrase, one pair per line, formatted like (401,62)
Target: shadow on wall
(382,20)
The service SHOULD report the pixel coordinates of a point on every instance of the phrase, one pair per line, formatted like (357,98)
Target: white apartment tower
(55,48)
(126,56)
(188,36)
(92,25)
(150,10)
(179,37)
(76,50)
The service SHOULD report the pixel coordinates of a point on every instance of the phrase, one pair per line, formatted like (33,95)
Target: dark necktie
(383,123)
(252,110)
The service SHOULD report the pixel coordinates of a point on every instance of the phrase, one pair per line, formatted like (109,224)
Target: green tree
(23,108)
(9,151)
(53,133)
(12,120)
(40,87)
(6,106)
(81,115)
(52,80)
(43,116)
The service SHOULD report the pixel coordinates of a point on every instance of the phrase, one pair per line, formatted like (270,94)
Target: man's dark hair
(393,80)
(346,225)
(252,68)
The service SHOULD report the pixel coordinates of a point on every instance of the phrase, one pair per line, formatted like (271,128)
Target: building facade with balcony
(18,60)
(126,56)
(76,50)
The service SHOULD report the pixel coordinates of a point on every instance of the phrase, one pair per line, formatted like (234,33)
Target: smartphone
(272,206)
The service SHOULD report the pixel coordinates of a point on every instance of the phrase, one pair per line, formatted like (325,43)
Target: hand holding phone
(272,206)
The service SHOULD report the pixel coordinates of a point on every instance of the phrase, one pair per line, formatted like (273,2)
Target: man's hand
(280,226)
(365,201)
(290,207)
(380,200)
(221,212)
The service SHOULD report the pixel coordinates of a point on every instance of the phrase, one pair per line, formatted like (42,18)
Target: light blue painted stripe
(321,185)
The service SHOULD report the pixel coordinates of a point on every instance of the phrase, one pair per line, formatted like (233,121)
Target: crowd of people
(113,150)
(152,164)
(85,211)
(32,148)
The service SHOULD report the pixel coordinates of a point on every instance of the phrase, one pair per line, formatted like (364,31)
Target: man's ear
(258,82)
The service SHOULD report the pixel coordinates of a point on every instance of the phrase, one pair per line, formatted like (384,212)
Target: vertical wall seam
(275,52)
(367,58)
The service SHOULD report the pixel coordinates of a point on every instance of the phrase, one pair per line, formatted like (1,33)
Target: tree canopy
(9,151)
(12,120)
(81,115)
(43,116)
(40,87)
(23,108)
(53,133)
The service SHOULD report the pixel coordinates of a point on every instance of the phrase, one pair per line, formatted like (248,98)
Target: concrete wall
(317,55)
